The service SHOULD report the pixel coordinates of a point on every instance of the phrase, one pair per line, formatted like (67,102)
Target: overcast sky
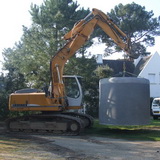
(15,13)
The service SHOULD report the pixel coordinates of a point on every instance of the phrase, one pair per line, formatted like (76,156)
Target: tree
(3,98)
(137,23)
(31,56)
(9,83)
(56,18)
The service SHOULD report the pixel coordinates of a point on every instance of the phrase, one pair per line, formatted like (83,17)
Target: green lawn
(146,132)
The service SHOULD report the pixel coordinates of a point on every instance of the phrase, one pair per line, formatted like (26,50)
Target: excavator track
(58,124)
(88,120)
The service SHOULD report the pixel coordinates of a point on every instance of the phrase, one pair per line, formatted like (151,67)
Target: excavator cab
(73,89)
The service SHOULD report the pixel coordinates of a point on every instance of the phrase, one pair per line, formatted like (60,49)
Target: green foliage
(56,18)
(59,14)
(137,23)
(103,71)
(31,56)
(8,84)
(3,98)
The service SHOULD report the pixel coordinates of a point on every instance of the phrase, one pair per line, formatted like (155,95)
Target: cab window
(71,87)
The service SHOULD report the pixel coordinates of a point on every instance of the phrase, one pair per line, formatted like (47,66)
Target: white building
(149,68)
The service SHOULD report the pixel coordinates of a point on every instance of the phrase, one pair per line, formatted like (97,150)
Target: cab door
(73,90)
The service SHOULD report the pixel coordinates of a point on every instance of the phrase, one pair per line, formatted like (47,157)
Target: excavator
(57,105)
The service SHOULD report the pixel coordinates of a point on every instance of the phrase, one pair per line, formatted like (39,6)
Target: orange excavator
(57,102)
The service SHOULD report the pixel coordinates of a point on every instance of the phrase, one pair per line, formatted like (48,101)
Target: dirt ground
(22,146)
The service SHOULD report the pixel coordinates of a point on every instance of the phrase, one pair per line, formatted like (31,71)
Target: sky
(15,13)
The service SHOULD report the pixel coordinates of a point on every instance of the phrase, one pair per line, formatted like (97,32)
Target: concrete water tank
(124,101)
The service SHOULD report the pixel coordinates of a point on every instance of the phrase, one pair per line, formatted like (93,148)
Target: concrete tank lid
(124,80)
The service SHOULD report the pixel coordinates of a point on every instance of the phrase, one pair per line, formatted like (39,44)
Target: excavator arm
(76,38)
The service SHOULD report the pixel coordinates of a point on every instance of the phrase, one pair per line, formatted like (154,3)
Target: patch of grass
(144,132)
